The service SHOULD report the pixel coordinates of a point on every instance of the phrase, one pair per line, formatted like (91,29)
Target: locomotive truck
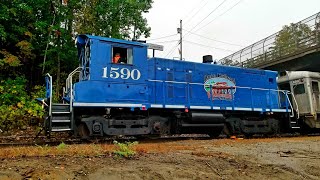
(154,96)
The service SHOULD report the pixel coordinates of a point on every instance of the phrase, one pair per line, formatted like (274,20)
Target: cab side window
(122,55)
(299,89)
(315,86)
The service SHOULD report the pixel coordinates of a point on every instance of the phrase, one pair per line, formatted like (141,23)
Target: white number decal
(105,71)
(113,73)
(135,74)
(124,73)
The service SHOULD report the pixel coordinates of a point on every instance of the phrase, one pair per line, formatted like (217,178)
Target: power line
(165,41)
(172,49)
(208,15)
(199,23)
(162,37)
(220,15)
(192,10)
(189,20)
(213,39)
(208,46)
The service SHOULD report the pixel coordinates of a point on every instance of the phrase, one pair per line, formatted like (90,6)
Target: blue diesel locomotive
(138,95)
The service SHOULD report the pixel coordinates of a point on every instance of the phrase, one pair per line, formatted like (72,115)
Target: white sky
(246,23)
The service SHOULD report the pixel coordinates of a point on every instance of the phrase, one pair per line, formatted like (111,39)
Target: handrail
(201,84)
(69,85)
(48,77)
(239,87)
(292,113)
(70,76)
(295,101)
(50,94)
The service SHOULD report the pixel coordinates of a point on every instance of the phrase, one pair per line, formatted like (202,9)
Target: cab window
(122,55)
(315,86)
(299,89)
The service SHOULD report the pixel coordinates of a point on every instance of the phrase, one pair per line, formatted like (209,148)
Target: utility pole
(180,32)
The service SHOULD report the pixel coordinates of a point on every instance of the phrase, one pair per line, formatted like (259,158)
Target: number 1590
(123,73)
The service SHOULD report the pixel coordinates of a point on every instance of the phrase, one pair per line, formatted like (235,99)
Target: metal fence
(291,40)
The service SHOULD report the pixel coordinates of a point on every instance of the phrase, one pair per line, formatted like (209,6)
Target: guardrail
(69,85)
(189,86)
(48,79)
(294,39)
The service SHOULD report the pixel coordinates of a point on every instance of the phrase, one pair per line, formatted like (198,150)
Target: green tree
(38,36)
(113,18)
(292,38)
(22,28)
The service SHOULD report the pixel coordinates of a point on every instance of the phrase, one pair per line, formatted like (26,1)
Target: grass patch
(61,146)
(125,149)
(128,149)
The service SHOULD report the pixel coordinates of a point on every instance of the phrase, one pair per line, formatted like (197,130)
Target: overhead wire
(162,37)
(172,49)
(213,39)
(189,20)
(185,17)
(208,46)
(208,15)
(165,41)
(197,25)
(220,15)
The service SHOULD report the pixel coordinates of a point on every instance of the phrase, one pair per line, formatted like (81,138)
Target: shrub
(125,149)
(16,106)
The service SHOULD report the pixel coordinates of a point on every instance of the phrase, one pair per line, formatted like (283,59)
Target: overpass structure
(295,47)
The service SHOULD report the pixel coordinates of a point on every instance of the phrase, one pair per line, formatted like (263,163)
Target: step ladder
(294,125)
(60,119)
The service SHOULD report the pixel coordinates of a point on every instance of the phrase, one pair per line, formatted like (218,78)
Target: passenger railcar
(305,87)
(144,96)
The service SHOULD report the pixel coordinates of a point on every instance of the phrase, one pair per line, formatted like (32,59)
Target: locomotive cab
(111,71)
(111,88)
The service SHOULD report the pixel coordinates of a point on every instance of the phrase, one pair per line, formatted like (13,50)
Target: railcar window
(299,89)
(285,86)
(315,86)
(126,55)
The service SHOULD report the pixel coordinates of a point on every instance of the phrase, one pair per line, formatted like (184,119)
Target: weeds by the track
(144,147)
(125,149)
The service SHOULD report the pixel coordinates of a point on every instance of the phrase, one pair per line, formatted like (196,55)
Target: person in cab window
(116,58)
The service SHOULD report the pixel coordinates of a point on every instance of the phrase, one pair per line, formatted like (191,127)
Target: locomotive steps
(60,118)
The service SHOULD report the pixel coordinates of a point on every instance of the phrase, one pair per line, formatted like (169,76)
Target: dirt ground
(271,158)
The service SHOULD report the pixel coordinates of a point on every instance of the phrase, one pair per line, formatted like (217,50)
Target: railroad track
(43,140)
(54,142)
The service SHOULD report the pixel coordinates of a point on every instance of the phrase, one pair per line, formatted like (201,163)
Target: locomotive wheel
(214,134)
(83,131)
(226,131)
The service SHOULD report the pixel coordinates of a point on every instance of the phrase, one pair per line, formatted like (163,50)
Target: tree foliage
(16,106)
(292,38)
(113,18)
(38,36)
